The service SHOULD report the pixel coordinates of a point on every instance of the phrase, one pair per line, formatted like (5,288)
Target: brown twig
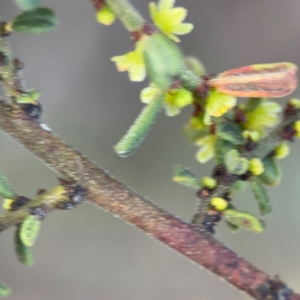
(108,193)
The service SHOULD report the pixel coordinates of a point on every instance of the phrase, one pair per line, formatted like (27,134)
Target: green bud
(35,21)
(29,230)
(163,60)
(209,182)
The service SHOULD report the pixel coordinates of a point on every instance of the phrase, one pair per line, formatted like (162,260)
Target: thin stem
(115,197)
(127,14)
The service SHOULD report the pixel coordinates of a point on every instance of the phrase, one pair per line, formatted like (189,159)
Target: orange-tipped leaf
(265,80)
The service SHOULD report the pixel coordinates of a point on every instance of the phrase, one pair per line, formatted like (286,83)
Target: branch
(120,200)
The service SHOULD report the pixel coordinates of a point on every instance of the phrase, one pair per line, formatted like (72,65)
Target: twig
(120,200)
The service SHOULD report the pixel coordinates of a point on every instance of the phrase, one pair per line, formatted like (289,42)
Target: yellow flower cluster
(167,18)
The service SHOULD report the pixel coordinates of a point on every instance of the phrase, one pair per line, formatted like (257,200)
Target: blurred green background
(87,253)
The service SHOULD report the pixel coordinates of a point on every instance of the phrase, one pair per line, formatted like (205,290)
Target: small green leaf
(253,103)
(4,290)
(195,65)
(233,228)
(243,220)
(28,97)
(195,134)
(23,252)
(222,147)
(5,188)
(272,172)
(230,132)
(35,21)
(236,164)
(140,128)
(29,230)
(163,60)
(185,177)
(28,4)
(240,185)
(261,196)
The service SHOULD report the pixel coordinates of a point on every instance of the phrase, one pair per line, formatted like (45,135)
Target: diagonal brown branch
(108,193)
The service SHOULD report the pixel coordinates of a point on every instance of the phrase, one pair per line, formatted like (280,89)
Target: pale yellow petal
(178,14)
(137,73)
(171,110)
(148,94)
(152,10)
(173,37)
(166,4)
(122,62)
(183,28)
(272,107)
(204,154)
(204,141)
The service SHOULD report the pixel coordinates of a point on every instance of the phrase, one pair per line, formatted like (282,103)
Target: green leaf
(29,230)
(253,103)
(4,290)
(185,177)
(240,185)
(28,4)
(230,132)
(35,21)
(163,60)
(236,164)
(6,190)
(195,65)
(23,252)
(222,147)
(261,196)
(243,220)
(272,172)
(140,128)
(28,97)
(233,228)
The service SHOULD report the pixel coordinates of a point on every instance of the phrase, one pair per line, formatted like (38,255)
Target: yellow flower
(175,99)
(169,19)
(133,62)
(265,115)
(256,167)
(207,150)
(217,104)
(105,16)
(282,151)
